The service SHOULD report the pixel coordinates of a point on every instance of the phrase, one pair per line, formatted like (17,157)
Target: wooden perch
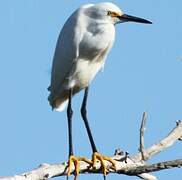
(130,165)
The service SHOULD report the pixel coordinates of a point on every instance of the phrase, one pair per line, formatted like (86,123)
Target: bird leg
(85,119)
(69,116)
(72,159)
(96,156)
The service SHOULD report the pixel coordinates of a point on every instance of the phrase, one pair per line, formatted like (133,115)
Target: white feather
(62,106)
(81,50)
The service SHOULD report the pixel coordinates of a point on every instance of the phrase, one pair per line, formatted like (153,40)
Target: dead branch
(133,166)
(142,129)
(154,167)
(165,143)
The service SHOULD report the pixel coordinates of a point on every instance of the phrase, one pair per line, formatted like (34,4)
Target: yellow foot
(96,156)
(75,161)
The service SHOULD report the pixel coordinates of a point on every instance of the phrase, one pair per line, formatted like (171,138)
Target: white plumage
(82,47)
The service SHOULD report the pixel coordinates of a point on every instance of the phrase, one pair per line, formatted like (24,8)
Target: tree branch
(154,167)
(133,166)
(142,129)
(165,143)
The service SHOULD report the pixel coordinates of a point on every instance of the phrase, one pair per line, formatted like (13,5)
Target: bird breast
(85,72)
(96,40)
(93,50)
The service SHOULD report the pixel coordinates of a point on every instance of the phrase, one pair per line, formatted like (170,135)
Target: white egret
(82,47)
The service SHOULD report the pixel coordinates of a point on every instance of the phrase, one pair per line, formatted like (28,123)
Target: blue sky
(142,73)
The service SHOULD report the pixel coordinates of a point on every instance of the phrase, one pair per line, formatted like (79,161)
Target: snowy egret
(82,47)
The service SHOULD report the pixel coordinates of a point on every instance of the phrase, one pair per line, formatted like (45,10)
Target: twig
(142,129)
(177,123)
(165,143)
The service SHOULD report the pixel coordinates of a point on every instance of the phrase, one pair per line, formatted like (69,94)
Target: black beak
(127,18)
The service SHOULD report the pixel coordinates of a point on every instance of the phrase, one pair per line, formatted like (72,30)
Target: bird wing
(77,40)
(66,53)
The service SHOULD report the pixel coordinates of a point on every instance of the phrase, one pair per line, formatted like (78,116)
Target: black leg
(69,116)
(85,119)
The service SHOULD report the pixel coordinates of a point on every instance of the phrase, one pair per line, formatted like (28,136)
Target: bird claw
(96,156)
(75,160)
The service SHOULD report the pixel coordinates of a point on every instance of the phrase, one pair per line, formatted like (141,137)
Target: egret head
(109,12)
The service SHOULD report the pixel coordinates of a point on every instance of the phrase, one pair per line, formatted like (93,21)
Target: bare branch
(142,129)
(147,176)
(47,171)
(133,166)
(177,123)
(154,167)
(165,143)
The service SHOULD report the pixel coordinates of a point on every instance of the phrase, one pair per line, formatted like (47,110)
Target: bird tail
(62,105)
(60,102)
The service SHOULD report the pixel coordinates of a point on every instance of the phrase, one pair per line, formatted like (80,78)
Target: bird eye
(109,13)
